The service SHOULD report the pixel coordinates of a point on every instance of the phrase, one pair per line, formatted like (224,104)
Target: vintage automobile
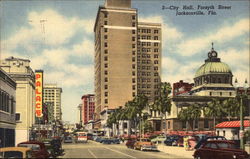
(158,139)
(130,143)
(171,140)
(144,144)
(15,152)
(68,139)
(203,140)
(219,149)
(38,148)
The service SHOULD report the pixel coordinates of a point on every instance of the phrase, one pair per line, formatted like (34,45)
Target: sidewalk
(179,152)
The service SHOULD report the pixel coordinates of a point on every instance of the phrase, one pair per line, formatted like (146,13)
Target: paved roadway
(93,149)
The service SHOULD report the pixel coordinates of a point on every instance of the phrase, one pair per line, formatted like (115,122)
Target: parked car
(130,143)
(202,141)
(115,141)
(158,139)
(15,152)
(145,144)
(49,146)
(171,140)
(106,141)
(180,141)
(68,139)
(38,148)
(219,149)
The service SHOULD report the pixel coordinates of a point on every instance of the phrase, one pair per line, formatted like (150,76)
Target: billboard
(39,93)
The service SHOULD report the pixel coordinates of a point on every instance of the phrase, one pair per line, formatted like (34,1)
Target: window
(210,93)
(133,73)
(155,68)
(148,31)
(133,52)
(206,124)
(133,59)
(133,94)
(105,15)
(133,80)
(106,101)
(155,37)
(155,62)
(18,116)
(105,51)
(169,125)
(143,30)
(133,17)
(156,44)
(148,37)
(184,125)
(106,65)
(105,58)
(133,45)
(105,36)
(133,24)
(156,74)
(156,31)
(105,79)
(133,31)
(133,38)
(105,44)
(133,87)
(105,86)
(156,56)
(156,50)
(105,30)
(196,124)
(105,22)
(133,66)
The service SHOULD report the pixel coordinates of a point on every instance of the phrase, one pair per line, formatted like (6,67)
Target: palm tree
(163,103)
(231,107)
(214,109)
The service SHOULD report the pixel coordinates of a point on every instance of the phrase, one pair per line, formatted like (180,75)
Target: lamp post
(138,116)
(241,93)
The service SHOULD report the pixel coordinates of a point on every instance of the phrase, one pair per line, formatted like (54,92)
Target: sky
(63,45)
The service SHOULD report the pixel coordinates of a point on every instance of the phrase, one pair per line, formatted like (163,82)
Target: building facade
(88,108)
(7,110)
(20,71)
(182,88)
(212,80)
(52,94)
(127,57)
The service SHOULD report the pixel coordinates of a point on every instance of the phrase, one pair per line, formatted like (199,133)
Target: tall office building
(124,65)
(52,94)
(19,70)
(88,108)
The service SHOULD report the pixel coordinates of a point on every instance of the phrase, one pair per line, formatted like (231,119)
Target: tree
(231,107)
(214,109)
(163,103)
(191,113)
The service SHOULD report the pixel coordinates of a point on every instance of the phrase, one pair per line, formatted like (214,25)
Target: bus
(81,137)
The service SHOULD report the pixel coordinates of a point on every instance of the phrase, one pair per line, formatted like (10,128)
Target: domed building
(213,78)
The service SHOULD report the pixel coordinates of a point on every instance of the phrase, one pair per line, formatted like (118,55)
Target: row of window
(147,31)
(133,17)
(148,50)
(147,37)
(7,102)
(147,80)
(147,86)
(156,44)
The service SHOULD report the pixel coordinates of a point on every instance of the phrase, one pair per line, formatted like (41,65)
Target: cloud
(174,71)
(48,27)
(86,48)
(224,34)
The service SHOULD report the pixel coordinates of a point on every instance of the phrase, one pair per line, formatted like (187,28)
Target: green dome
(212,67)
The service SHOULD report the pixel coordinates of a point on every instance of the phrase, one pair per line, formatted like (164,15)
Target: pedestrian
(186,145)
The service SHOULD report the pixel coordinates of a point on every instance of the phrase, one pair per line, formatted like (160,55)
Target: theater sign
(39,93)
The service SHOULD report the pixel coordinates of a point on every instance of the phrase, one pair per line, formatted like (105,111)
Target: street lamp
(242,93)
(138,116)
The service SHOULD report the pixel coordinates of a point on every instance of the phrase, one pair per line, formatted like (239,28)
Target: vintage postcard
(102,76)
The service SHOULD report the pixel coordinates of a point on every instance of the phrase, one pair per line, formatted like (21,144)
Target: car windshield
(11,154)
(34,147)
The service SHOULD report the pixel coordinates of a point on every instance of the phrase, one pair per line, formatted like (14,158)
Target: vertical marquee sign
(39,93)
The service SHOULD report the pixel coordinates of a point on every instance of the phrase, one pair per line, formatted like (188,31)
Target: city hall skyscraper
(127,56)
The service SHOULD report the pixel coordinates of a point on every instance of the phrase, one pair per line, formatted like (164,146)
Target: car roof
(22,149)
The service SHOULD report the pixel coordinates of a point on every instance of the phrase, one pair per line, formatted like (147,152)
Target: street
(97,150)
